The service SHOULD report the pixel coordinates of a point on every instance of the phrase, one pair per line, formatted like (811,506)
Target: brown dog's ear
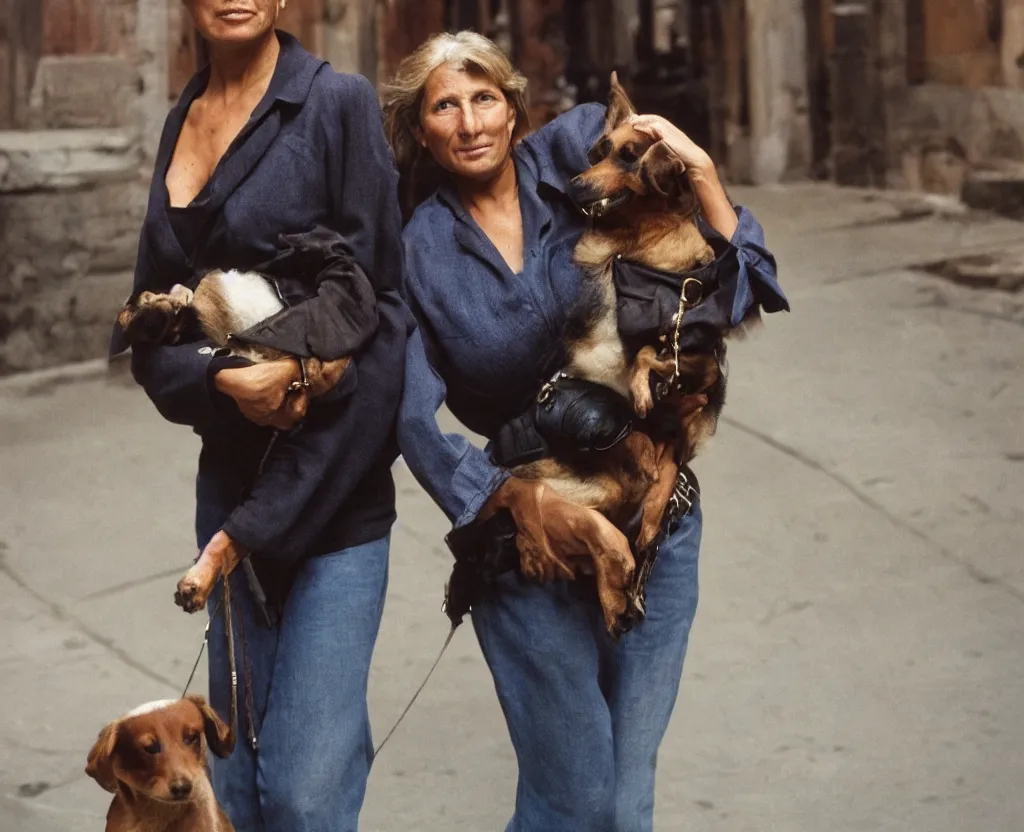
(662,171)
(100,763)
(619,106)
(219,736)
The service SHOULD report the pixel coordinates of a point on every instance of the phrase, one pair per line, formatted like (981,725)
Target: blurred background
(909,94)
(858,659)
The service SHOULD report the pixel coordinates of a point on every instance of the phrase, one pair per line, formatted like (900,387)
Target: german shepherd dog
(644,211)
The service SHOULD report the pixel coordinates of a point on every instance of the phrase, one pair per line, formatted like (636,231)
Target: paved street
(857,662)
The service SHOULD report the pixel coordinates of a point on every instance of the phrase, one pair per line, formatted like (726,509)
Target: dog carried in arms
(599,461)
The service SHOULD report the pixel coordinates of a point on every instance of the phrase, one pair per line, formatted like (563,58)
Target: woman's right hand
(261,392)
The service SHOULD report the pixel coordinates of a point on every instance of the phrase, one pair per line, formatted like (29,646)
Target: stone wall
(84,106)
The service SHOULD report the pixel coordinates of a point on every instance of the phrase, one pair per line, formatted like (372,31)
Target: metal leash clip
(303,382)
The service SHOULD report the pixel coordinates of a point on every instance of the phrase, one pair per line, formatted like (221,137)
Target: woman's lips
(235,15)
(474,152)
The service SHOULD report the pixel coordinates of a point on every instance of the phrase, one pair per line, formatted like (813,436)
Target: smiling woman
(235,21)
(267,141)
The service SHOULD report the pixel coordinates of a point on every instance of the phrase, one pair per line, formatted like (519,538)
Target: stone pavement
(857,662)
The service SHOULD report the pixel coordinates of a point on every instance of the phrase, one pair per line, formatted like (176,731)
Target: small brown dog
(224,305)
(154,761)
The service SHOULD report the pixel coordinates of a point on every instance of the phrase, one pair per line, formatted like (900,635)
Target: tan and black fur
(223,304)
(644,211)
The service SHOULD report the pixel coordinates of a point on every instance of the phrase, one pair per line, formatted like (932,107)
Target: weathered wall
(87,95)
(85,86)
(958,106)
(780,135)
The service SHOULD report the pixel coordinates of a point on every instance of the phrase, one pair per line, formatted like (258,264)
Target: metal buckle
(302,383)
(688,283)
(549,387)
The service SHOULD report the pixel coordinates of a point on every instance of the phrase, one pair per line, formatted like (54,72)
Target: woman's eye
(486,96)
(442,105)
(152,748)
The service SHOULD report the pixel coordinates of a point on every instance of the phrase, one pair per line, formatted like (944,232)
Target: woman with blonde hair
(491,279)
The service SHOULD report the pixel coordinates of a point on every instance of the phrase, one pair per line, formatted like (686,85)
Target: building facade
(918,94)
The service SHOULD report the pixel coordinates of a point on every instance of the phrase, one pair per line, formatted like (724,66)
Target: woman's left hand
(692,155)
(700,169)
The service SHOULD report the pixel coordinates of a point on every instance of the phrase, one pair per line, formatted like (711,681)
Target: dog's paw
(193,591)
(640,394)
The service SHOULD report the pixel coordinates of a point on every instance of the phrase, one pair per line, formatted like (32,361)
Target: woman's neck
(499,191)
(236,71)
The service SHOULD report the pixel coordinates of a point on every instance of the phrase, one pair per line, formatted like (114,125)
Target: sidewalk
(857,662)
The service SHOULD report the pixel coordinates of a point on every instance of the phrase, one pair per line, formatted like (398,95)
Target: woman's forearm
(714,202)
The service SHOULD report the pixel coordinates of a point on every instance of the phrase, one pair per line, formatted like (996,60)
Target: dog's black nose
(180,789)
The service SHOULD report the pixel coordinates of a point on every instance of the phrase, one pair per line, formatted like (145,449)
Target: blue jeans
(586,714)
(309,677)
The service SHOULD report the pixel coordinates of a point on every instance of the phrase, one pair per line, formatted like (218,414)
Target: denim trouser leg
(309,679)
(585,714)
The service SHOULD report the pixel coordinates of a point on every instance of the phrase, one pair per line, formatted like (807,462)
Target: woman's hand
(261,392)
(692,155)
(703,174)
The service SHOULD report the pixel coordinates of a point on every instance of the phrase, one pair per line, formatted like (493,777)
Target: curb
(114,367)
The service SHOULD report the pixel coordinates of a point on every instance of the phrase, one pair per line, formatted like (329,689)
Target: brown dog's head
(151,318)
(627,165)
(159,749)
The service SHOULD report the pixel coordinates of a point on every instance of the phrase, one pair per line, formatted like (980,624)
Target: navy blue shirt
(312,154)
(486,334)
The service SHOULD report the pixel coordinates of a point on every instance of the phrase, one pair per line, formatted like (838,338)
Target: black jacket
(312,155)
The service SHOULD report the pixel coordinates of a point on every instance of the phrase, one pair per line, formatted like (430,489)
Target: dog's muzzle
(598,209)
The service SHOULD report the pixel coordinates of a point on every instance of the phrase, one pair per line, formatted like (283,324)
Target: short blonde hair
(403,98)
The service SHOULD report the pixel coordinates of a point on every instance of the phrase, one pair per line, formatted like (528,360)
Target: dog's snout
(180,789)
(579,189)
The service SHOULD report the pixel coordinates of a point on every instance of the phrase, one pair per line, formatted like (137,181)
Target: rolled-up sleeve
(757,274)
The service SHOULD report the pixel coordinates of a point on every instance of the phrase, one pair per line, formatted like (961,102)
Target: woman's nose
(470,121)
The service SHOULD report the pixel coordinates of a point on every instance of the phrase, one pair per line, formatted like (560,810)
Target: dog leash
(419,690)
(233,665)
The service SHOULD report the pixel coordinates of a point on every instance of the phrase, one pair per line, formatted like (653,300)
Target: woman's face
(234,21)
(466,123)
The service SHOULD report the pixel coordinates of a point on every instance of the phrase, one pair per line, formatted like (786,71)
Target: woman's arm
(707,187)
(314,469)
(458,475)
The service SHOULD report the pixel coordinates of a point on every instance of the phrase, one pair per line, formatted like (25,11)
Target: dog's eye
(627,155)
(152,748)
(192,738)
(599,152)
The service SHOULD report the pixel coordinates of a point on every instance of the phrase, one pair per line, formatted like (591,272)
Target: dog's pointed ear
(662,170)
(100,762)
(619,106)
(219,737)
